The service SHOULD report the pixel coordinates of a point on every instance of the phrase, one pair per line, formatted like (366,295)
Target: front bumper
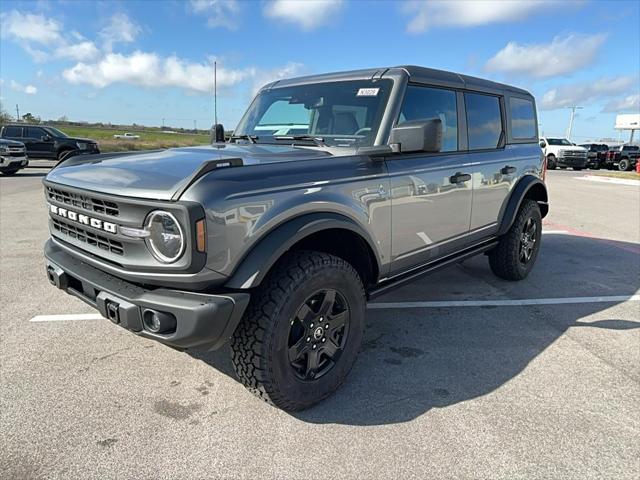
(579,162)
(205,321)
(7,161)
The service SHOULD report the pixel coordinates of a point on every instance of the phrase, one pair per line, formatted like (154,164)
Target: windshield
(55,132)
(559,141)
(340,113)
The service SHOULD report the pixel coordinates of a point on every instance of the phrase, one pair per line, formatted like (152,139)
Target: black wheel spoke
(330,348)
(338,321)
(313,362)
(297,350)
(304,314)
(328,302)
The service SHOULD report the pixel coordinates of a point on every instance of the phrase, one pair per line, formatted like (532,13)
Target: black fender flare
(512,205)
(266,252)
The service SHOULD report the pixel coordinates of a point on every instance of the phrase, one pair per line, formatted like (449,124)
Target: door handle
(460,177)
(508,170)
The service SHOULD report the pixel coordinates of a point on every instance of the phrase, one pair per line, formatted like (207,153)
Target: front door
(38,142)
(431,194)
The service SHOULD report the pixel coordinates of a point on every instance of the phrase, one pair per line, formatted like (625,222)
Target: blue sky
(126,62)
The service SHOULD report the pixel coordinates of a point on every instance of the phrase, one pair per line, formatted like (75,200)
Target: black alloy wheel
(318,334)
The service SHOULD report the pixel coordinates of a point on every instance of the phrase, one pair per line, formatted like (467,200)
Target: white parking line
(67,317)
(555,232)
(505,303)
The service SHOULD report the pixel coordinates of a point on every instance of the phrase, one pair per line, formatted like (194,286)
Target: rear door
(498,163)
(12,133)
(430,192)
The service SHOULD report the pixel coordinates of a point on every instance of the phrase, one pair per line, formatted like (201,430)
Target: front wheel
(9,171)
(577,169)
(518,249)
(301,333)
(551,162)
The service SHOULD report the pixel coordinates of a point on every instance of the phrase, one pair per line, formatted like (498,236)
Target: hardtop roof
(416,74)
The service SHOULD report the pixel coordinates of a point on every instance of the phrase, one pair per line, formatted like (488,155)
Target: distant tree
(29,118)
(63,119)
(4,115)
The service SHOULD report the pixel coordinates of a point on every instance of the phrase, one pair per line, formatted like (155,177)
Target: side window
(523,119)
(34,132)
(484,121)
(421,103)
(15,132)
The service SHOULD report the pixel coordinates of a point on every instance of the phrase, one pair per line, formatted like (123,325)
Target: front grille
(90,238)
(16,151)
(87,203)
(574,154)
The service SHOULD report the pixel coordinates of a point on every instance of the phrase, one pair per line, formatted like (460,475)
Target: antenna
(215,92)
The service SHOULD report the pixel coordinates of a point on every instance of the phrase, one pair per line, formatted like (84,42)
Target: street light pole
(573,112)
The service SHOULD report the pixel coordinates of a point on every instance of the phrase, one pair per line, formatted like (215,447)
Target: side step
(399,280)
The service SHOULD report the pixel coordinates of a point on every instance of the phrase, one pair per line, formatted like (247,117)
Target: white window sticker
(368,92)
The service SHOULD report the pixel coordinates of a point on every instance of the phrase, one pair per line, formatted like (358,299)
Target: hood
(76,139)
(11,143)
(160,174)
(571,148)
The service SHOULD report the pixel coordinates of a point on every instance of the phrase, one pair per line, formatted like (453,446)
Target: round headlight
(165,240)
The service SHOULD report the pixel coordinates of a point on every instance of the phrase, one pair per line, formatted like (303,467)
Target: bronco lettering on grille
(84,219)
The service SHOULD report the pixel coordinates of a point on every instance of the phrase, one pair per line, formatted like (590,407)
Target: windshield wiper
(317,140)
(251,138)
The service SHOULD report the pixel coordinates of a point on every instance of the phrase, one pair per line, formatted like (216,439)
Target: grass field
(149,139)
(605,173)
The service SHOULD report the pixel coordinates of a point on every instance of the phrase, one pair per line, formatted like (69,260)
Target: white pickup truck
(560,152)
(127,136)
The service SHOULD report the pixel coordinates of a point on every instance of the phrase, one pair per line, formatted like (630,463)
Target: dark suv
(624,157)
(596,154)
(47,142)
(334,189)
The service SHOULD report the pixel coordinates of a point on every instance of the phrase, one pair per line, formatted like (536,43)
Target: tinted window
(12,132)
(421,103)
(484,121)
(523,119)
(35,132)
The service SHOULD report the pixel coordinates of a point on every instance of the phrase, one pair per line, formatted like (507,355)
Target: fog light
(158,322)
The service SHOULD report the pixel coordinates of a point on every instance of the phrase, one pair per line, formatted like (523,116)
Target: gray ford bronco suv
(333,189)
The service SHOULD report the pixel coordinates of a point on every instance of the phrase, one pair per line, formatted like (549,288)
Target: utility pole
(195,126)
(17,113)
(573,112)
(163,123)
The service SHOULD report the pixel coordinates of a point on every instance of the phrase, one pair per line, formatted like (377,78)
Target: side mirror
(217,133)
(418,136)
(543,144)
(45,138)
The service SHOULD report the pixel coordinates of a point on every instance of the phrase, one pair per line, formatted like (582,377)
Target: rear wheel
(302,331)
(624,165)
(518,249)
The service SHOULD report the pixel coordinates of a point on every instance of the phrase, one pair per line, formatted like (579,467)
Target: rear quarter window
(484,121)
(523,118)
(15,132)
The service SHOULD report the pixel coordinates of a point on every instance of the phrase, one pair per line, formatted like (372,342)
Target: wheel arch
(529,187)
(326,232)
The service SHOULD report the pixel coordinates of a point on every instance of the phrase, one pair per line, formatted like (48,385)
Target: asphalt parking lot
(536,379)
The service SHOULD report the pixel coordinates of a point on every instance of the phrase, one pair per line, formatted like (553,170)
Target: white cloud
(42,37)
(458,13)
(120,29)
(80,51)
(152,71)
(306,15)
(263,77)
(630,103)
(220,13)
(587,92)
(561,56)
(29,27)
(18,87)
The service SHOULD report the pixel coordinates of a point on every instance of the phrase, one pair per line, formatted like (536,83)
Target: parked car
(561,153)
(276,242)
(13,156)
(596,154)
(47,142)
(622,157)
(127,136)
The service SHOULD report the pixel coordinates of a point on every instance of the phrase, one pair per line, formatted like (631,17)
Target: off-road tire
(9,172)
(504,259)
(624,165)
(260,342)
(551,162)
